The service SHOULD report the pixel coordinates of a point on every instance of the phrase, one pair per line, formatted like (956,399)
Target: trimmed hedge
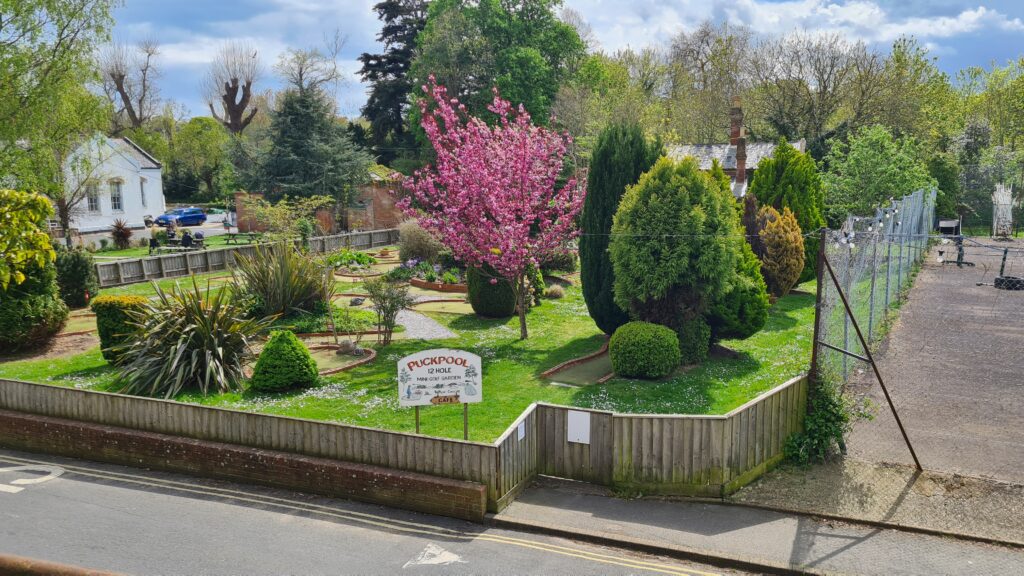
(284,363)
(644,350)
(489,300)
(113,321)
(76,277)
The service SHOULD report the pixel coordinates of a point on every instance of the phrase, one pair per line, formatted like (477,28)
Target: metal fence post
(871,298)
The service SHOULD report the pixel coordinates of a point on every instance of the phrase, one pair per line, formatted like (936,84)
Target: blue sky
(960,32)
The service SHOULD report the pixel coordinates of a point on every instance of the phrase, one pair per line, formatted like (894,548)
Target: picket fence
(689,455)
(130,271)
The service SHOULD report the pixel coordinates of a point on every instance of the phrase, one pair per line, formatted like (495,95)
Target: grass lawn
(559,330)
(142,251)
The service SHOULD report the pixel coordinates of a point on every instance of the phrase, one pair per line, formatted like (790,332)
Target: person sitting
(186,239)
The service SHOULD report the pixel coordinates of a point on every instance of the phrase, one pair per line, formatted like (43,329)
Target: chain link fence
(875,259)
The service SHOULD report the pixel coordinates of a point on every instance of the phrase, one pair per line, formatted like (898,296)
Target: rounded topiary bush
(495,300)
(694,340)
(76,276)
(113,321)
(31,312)
(283,364)
(644,350)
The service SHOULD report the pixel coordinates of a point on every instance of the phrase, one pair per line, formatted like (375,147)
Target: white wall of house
(118,187)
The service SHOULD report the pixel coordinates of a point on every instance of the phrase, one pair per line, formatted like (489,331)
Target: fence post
(813,379)
(871,298)
(899,262)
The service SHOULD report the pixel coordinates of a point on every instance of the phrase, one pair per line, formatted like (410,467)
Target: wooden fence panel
(119,272)
(439,456)
(576,460)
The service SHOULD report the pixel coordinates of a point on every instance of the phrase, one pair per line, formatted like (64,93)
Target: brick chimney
(735,121)
(737,138)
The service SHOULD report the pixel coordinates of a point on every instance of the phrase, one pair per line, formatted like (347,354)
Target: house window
(142,191)
(92,195)
(116,203)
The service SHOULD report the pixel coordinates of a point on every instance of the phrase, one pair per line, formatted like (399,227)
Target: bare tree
(573,18)
(129,81)
(312,68)
(815,86)
(706,73)
(228,85)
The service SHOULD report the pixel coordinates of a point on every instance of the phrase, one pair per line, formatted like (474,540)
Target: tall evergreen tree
(622,154)
(388,73)
(311,153)
(790,179)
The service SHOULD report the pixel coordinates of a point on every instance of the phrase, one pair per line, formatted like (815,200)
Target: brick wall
(409,490)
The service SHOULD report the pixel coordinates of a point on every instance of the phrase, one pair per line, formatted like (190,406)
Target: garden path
(418,326)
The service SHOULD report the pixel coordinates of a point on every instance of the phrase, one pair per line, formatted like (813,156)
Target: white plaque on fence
(578,424)
(439,376)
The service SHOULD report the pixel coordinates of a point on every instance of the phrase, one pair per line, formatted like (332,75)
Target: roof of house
(726,153)
(144,159)
(381,173)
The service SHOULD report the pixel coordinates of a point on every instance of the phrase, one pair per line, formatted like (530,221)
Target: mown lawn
(559,330)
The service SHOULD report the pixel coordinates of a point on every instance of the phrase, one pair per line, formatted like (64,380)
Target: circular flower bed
(429,276)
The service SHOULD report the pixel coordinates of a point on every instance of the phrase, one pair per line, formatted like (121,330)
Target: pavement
(750,536)
(954,366)
(133,521)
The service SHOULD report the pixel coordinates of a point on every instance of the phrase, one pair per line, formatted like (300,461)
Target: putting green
(79,324)
(585,373)
(444,307)
(330,360)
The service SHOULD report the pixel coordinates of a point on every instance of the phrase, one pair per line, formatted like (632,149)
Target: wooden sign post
(440,377)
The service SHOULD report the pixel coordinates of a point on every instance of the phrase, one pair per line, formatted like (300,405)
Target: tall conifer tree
(621,155)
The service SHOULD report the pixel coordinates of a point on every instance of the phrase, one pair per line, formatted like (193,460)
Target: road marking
(434,555)
(375,520)
(51,473)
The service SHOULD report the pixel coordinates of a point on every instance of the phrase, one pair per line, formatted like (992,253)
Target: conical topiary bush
(283,364)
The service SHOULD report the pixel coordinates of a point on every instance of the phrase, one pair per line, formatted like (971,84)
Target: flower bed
(423,274)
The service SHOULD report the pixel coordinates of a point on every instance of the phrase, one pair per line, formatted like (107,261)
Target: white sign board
(440,376)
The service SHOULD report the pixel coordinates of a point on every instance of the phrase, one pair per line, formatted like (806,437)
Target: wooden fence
(705,455)
(129,271)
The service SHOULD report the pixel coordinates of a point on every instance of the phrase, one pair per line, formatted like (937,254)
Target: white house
(115,179)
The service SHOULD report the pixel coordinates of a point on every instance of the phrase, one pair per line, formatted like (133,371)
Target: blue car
(182,217)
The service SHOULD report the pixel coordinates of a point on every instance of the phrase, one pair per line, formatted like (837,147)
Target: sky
(959,32)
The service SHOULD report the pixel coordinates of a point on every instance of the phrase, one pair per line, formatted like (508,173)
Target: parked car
(182,217)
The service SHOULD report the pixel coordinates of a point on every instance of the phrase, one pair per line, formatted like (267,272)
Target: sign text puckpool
(439,376)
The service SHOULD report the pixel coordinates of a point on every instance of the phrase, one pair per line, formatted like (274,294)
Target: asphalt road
(142,522)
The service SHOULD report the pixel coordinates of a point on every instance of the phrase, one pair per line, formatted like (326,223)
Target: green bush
(674,249)
(694,340)
(743,310)
(783,244)
(790,179)
(644,350)
(190,339)
(416,243)
(283,364)
(76,277)
(114,321)
(620,156)
(283,279)
(561,261)
(826,424)
(491,300)
(31,312)
(537,286)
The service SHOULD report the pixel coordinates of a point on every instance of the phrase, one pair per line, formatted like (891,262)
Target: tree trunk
(64,217)
(521,301)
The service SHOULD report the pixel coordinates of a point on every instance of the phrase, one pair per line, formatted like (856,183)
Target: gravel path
(418,326)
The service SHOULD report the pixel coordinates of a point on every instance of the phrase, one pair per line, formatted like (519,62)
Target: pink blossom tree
(492,196)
